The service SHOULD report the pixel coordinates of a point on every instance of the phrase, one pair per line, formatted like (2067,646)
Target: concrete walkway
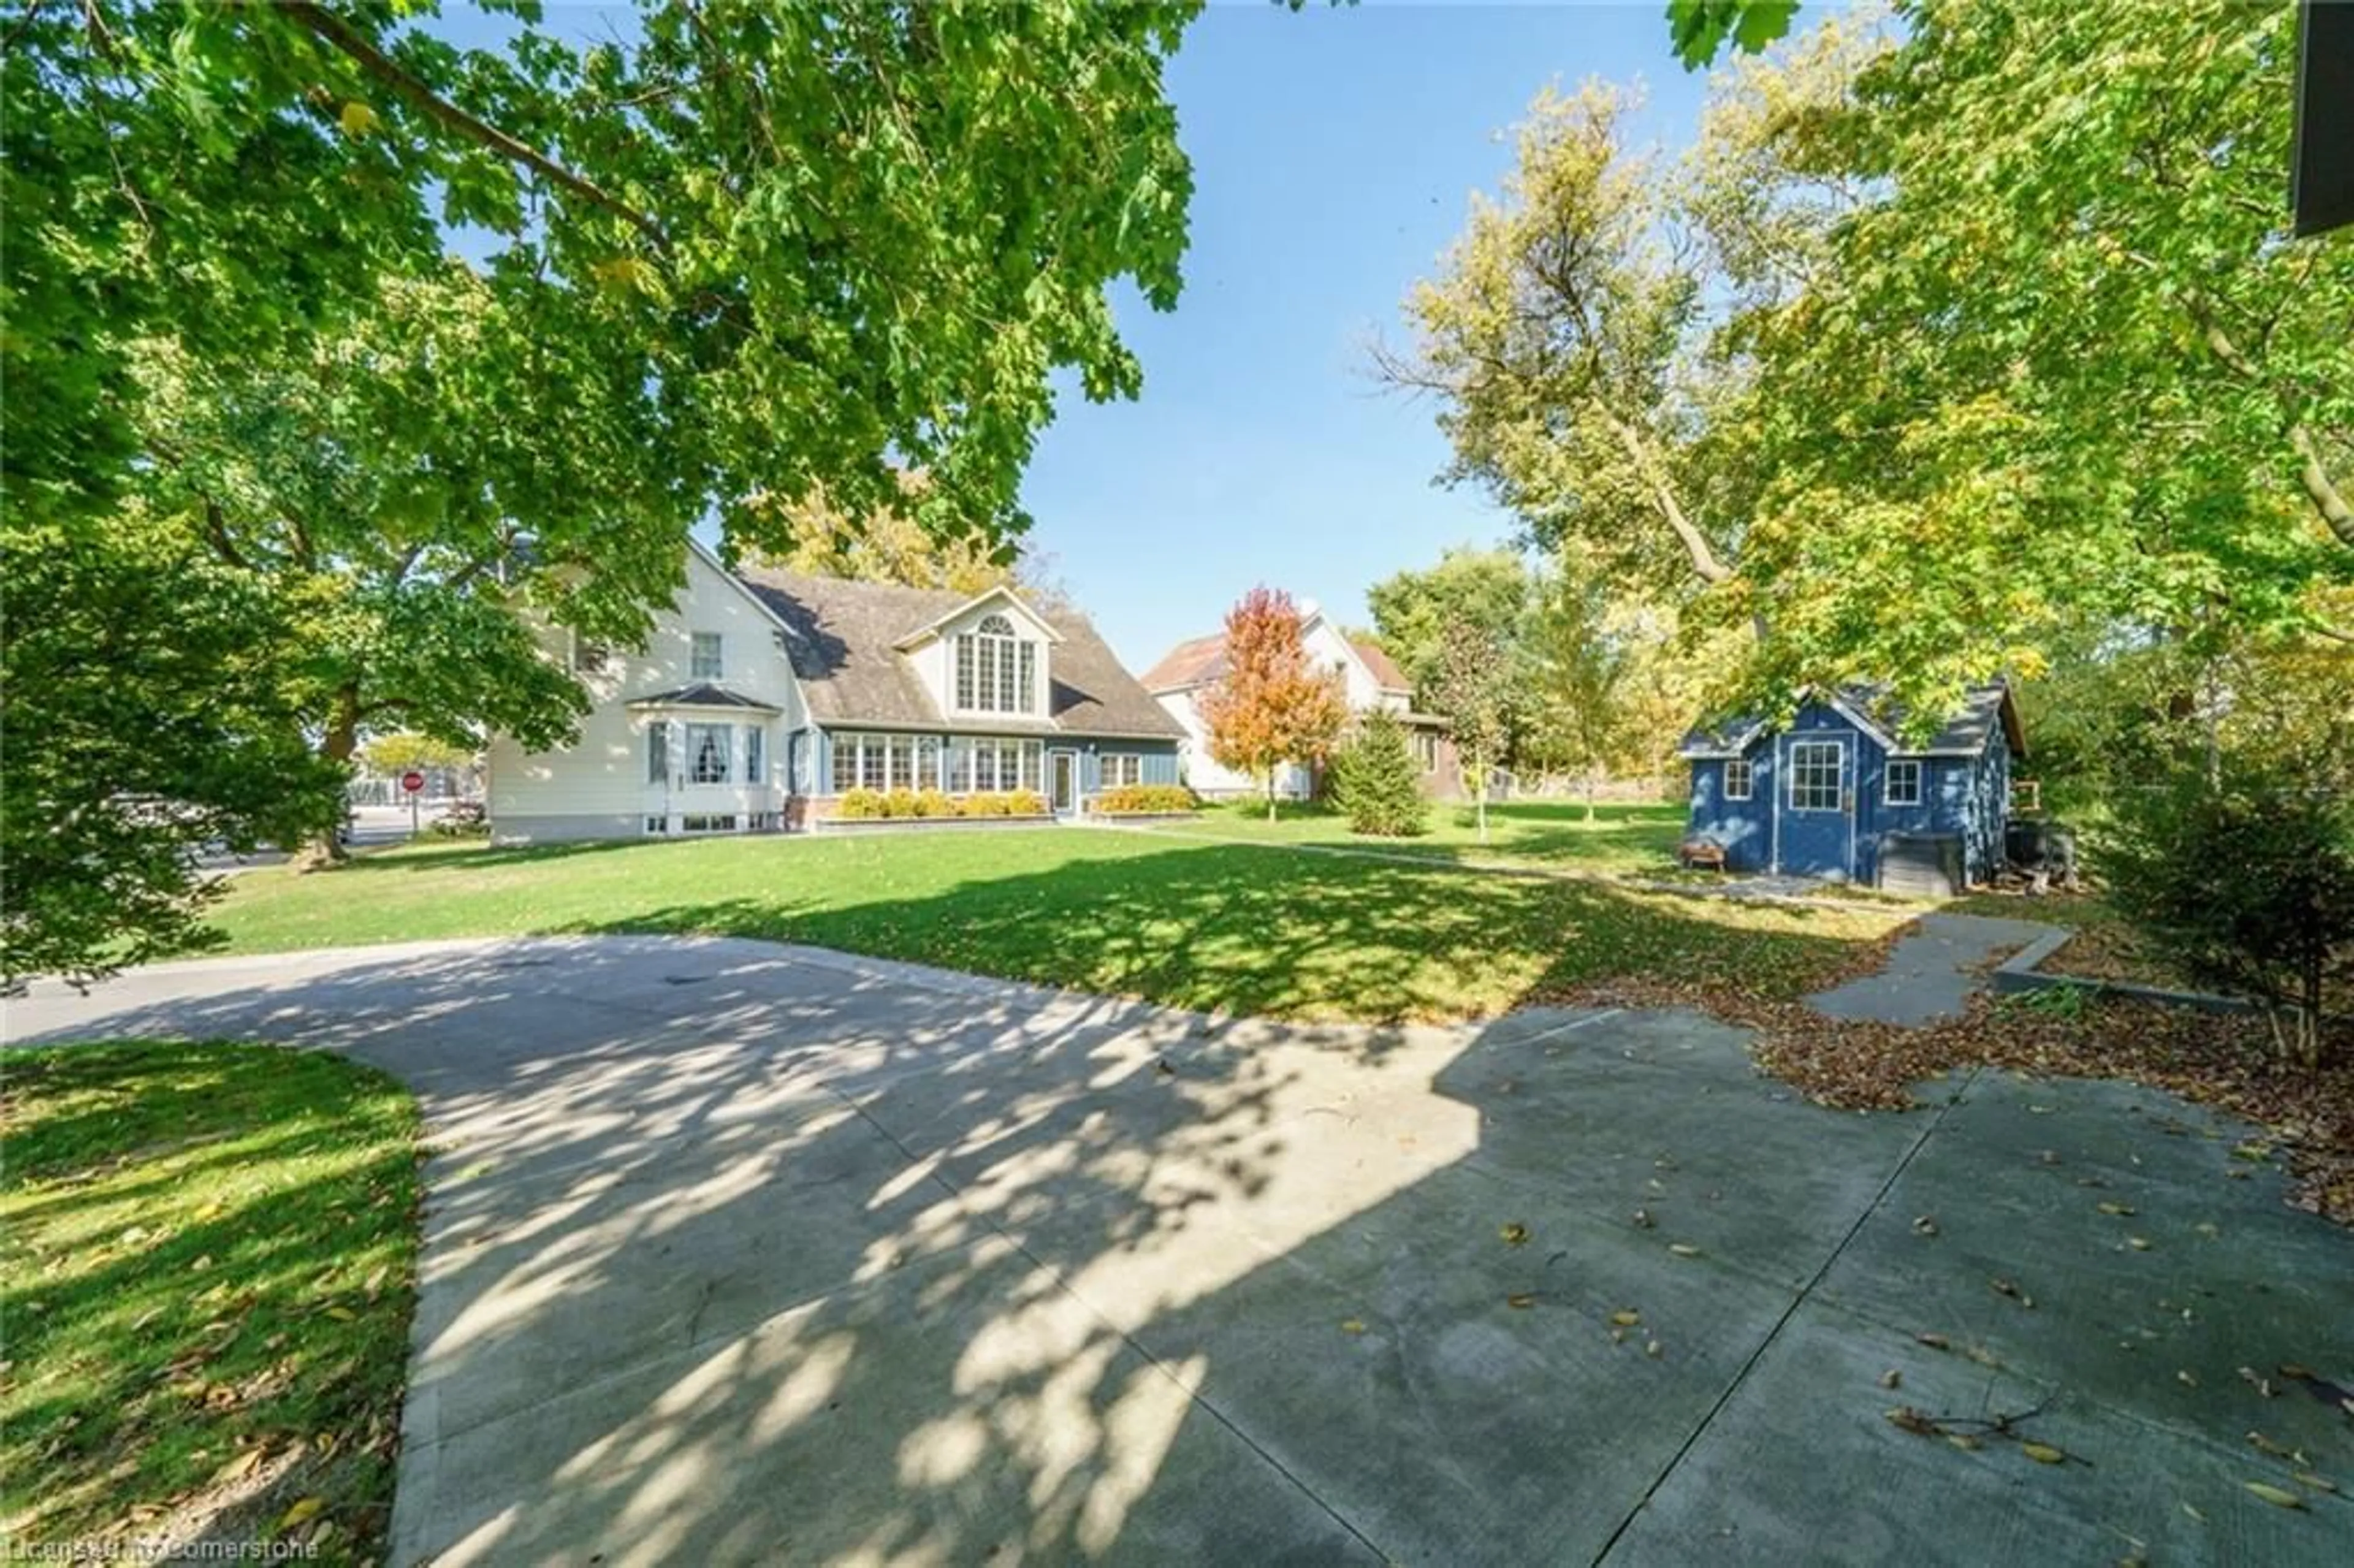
(1932,972)
(739,1253)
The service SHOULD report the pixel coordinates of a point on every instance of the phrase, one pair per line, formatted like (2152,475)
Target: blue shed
(1836,793)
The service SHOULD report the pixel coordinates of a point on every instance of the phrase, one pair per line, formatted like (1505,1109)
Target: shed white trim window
(705,664)
(1901,782)
(1739,781)
(657,753)
(1120,767)
(1816,770)
(755,754)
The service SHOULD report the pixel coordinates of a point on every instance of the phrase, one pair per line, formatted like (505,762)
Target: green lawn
(1254,929)
(1550,833)
(209,1254)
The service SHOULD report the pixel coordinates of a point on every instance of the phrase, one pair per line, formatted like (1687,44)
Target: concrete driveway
(743,1253)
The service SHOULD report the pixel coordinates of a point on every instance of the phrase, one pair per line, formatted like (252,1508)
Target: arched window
(996,669)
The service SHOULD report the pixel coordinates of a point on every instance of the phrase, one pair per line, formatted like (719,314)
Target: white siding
(1328,649)
(602,776)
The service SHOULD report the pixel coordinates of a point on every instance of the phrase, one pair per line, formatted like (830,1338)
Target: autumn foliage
(1272,707)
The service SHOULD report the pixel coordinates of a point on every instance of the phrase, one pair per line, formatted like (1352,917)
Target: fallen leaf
(2264,1444)
(1515,1235)
(2186,1379)
(2291,1369)
(1521,1298)
(2044,1453)
(2004,1288)
(2139,1243)
(1926,1225)
(1934,1341)
(2319,1483)
(1964,1441)
(1905,1418)
(2194,1513)
(341,1314)
(1653,1349)
(1892,1378)
(301,1509)
(1352,1325)
(1626,1319)
(1643,1220)
(1683,1249)
(2274,1494)
(2116,1208)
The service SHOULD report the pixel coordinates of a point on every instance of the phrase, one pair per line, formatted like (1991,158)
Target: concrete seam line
(1566,1028)
(1125,1338)
(1806,1293)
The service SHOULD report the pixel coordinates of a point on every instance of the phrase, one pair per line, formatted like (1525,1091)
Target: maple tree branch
(2313,474)
(347,41)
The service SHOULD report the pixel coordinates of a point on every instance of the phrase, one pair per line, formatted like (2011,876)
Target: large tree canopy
(1956,343)
(832,238)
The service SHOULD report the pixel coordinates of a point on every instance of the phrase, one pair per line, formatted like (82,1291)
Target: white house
(1369,677)
(760,697)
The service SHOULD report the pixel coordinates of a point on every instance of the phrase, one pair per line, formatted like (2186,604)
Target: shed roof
(1966,732)
(843,639)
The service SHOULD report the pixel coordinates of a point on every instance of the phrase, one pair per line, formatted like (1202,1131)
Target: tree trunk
(1271,794)
(1589,793)
(340,743)
(1480,798)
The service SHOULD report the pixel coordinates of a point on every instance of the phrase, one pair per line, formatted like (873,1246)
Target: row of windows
(930,762)
(1815,769)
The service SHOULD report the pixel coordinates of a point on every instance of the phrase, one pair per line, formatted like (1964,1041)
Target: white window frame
(1920,775)
(724,735)
(756,754)
(1801,770)
(706,656)
(996,669)
(1748,777)
(1123,768)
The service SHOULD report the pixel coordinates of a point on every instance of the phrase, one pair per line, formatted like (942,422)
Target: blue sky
(1335,151)
(1334,154)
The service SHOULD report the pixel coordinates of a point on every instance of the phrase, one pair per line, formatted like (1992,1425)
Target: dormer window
(996,670)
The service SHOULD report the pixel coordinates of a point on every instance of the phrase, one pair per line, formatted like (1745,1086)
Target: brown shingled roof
(840,638)
(1386,674)
(1192,662)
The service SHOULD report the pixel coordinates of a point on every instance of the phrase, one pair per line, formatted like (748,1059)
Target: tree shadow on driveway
(737,1253)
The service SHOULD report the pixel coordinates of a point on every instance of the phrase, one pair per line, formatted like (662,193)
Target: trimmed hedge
(877,805)
(1145,800)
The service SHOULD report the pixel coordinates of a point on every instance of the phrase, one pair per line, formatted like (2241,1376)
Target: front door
(1816,805)
(1063,781)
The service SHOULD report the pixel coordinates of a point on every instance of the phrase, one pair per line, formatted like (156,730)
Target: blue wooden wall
(1968,796)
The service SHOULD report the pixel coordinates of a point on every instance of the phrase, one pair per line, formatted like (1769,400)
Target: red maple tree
(1271,707)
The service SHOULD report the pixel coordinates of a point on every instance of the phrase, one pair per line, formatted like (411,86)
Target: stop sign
(412,781)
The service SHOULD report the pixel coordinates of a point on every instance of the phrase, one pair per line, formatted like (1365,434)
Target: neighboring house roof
(702,694)
(843,639)
(1198,660)
(1966,732)
(1386,674)
(1193,663)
